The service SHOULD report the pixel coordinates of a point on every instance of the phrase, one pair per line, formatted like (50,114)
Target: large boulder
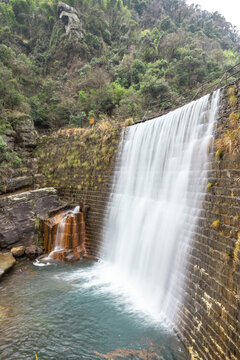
(18,215)
(7,261)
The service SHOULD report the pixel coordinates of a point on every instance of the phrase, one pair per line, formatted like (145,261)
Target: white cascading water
(159,181)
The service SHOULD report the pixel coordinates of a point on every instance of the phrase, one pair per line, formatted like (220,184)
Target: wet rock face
(18,215)
(7,261)
(69,255)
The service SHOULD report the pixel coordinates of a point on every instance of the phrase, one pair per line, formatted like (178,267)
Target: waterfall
(159,183)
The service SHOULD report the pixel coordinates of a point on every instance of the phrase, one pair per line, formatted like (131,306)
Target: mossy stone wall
(80,163)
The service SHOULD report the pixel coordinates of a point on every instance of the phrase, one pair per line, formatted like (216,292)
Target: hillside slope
(63,63)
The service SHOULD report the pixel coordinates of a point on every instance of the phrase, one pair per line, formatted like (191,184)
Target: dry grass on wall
(79,157)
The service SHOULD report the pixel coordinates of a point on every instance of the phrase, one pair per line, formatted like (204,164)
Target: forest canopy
(120,59)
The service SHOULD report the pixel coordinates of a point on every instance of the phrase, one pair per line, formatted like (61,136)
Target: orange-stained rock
(64,236)
(59,255)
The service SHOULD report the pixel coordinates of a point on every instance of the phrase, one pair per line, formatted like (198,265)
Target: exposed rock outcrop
(20,140)
(18,215)
(70,19)
(26,135)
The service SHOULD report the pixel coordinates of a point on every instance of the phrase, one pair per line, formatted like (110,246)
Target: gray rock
(18,215)
(65,7)
(17,183)
(9,138)
(26,134)
(46,203)
(33,251)
(70,19)
(8,231)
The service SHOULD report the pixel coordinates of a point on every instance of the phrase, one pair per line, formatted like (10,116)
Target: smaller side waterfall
(64,235)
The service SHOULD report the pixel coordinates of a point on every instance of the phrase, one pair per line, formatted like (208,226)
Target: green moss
(231,90)
(215,225)
(233,117)
(232,100)
(219,154)
(70,161)
(209,185)
(40,241)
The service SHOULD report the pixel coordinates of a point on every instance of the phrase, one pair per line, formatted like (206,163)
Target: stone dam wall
(80,164)
(210,319)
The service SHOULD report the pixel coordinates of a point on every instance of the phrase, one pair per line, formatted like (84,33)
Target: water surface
(69,312)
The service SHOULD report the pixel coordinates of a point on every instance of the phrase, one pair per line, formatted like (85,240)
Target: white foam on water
(41,264)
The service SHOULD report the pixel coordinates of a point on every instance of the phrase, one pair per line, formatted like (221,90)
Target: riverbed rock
(18,251)
(7,261)
(33,251)
(71,257)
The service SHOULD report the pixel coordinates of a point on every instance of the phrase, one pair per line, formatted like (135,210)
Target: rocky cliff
(18,214)
(18,166)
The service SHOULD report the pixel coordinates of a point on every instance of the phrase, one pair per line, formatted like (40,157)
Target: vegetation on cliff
(228,140)
(118,60)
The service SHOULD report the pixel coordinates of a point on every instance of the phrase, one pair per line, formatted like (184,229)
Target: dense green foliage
(127,56)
